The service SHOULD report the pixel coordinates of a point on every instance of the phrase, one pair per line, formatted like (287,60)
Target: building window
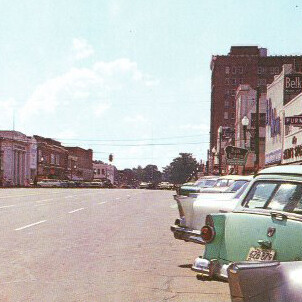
(226,104)
(227,81)
(233,81)
(99,171)
(261,82)
(233,104)
(260,69)
(52,159)
(233,70)
(226,115)
(274,70)
(240,70)
(232,115)
(233,92)
(57,159)
(103,171)
(227,70)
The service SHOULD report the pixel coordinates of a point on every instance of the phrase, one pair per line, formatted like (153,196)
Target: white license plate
(259,254)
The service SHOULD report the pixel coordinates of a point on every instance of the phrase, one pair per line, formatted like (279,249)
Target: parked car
(164,185)
(265,226)
(271,281)
(144,185)
(196,187)
(194,208)
(50,183)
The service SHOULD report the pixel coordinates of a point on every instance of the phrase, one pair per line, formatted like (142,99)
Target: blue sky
(131,77)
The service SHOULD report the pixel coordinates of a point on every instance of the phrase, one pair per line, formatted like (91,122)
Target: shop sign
(295,121)
(272,120)
(273,157)
(236,156)
(227,132)
(293,152)
(292,86)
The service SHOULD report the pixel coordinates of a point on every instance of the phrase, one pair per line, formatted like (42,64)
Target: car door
(270,220)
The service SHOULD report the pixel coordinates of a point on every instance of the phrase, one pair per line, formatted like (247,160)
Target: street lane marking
(69,196)
(4,207)
(76,210)
(30,225)
(44,200)
(103,202)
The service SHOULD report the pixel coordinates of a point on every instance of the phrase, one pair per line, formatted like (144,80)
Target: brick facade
(243,65)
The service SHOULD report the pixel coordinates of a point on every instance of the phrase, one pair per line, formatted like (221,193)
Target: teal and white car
(265,226)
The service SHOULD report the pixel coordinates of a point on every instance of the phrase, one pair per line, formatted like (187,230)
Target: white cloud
(82,49)
(135,119)
(72,100)
(100,109)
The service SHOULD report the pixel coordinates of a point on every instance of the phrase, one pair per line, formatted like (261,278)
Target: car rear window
(236,185)
(275,196)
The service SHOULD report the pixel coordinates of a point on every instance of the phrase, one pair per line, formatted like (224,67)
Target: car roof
(237,177)
(285,170)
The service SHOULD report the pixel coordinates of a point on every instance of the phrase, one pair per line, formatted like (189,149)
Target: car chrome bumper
(186,234)
(210,268)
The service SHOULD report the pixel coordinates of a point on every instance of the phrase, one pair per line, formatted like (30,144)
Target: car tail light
(207,233)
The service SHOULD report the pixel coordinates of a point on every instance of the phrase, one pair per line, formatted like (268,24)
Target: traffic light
(110,157)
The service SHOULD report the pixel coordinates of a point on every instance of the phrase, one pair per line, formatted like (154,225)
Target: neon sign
(272,119)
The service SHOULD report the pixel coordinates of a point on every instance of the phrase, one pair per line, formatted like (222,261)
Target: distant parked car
(194,208)
(266,225)
(197,186)
(144,185)
(50,183)
(164,185)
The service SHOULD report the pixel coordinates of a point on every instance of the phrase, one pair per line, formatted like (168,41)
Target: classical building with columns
(17,159)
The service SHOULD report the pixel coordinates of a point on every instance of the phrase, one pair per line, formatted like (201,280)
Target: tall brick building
(243,65)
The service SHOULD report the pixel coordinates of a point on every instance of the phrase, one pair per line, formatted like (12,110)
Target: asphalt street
(96,245)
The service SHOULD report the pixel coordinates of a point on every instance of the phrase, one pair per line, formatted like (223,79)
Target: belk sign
(292,85)
(236,156)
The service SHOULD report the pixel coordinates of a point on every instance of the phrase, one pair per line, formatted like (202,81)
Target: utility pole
(256,163)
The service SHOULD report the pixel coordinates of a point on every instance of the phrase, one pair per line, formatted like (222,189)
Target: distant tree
(181,169)
(139,173)
(151,174)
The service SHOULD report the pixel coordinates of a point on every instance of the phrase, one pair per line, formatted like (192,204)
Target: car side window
(286,197)
(222,183)
(259,195)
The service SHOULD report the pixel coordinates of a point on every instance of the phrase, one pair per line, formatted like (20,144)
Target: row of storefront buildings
(272,133)
(25,160)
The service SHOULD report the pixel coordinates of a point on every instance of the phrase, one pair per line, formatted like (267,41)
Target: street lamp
(72,167)
(245,122)
(220,153)
(214,153)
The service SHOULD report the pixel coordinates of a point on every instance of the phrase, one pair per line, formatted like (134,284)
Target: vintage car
(197,186)
(51,183)
(194,208)
(164,185)
(265,226)
(269,281)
